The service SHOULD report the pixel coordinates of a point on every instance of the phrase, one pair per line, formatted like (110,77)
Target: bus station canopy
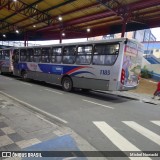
(54,19)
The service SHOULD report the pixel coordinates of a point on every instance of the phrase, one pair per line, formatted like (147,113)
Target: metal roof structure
(48,19)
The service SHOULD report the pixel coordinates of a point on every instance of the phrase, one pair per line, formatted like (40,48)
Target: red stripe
(75,69)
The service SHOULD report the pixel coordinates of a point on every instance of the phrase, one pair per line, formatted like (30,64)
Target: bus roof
(75,43)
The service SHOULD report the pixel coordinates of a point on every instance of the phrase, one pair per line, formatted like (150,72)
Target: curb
(128,97)
(47,115)
(117,95)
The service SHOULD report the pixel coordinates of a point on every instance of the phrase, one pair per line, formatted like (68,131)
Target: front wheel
(67,84)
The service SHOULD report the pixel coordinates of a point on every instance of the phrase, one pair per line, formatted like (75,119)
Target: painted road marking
(26,84)
(117,139)
(156,122)
(9,78)
(35,108)
(144,131)
(53,91)
(98,104)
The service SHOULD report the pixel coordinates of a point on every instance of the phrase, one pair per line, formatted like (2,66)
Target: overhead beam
(80,20)
(21,8)
(31,12)
(63,14)
(129,8)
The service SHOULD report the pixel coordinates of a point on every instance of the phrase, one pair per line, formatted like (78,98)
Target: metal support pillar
(123,29)
(60,40)
(126,19)
(26,39)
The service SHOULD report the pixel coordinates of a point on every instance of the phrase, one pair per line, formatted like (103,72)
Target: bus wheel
(67,84)
(1,72)
(24,75)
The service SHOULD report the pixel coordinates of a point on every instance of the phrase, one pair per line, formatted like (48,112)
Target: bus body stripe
(80,72)
(75,69)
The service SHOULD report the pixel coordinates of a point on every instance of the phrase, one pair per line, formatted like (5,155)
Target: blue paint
(63,143)
(152,60)
(53,69)
(57,70)
(21,66)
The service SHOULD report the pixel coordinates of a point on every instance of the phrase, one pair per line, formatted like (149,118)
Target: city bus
(6,64)
(108,65)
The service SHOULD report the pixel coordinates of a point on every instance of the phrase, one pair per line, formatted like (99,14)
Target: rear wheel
(1,72)
(67,84)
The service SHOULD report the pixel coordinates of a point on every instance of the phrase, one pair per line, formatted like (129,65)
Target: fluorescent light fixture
(17,31)
(88,29)
(4,35)
(63,34)
(60,18)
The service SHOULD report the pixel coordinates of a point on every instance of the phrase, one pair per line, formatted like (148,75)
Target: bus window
(105,54)
(84,55)
(45,55)
(56,55)
(30,53)
(69,54)
(5,55)
(37,55)
(23,55)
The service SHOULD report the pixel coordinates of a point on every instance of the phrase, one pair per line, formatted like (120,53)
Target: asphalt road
(108,122)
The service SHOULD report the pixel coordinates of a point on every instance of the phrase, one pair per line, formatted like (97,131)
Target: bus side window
(23,55)
(45,55)
(105,54)
(6,54)
(56,55)
(84,54)
(69,54)
(30,52)
(37,55)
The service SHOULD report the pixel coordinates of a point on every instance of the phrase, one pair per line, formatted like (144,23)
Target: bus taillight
(122,76)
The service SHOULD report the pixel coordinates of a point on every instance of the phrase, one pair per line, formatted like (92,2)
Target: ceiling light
(88,29)
(34,26)
(14,0)
(60,18)
(4,35)
(17,31)
(63,34)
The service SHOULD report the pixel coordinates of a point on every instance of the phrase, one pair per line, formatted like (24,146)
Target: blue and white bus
(6,63)
(99,65)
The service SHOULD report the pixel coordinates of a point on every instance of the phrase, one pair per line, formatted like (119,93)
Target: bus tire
(24,75)
(1,72)
(67,84)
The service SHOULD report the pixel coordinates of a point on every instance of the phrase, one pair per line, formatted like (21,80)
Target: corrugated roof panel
(81,8)
(99,21)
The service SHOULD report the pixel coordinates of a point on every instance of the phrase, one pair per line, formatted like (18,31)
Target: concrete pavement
(22,129)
